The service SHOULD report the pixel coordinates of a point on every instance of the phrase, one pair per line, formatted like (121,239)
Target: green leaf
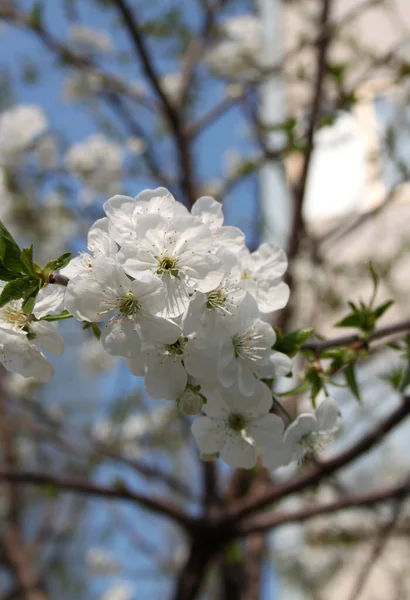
(25,287)
(94,328)
(291,343)
(350,376)
(57,264)
(26,259)
(352,320)
(63,315)
(9,251)
(6,275)
(29,304)
(381,309)
(297,390)
(405,380)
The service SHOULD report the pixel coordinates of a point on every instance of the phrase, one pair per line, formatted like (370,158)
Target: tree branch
(269,521)
(81,486)
(347,340)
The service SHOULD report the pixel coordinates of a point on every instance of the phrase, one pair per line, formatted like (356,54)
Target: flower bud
(190,403)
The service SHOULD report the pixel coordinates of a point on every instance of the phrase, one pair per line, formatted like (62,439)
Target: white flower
(41,333)
(119,591)
(123,212)
(210,212)
(93,40)
(132,306)
(101,563)
(246,353)
(166,366)
(19,386)
(20,126)
(176,251)
(98,161)
(19,355)
(46,152)
(307,435)
(238,427)
(259,274)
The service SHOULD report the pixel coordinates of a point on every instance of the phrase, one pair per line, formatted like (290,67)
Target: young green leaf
(291,343)
(25,287)
(381,309)
(9,251)
(350,377)
(57,264)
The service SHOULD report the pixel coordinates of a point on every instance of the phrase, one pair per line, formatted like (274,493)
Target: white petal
(209,435)
(48,336)
(85,300)
(209,211)
(121,337)
(271,295)
(158,329)
(99,240)
(49,301)
(204,272)
(303,425)
(278,455)
(239,452)
(247,381)
(136,365)
(327,414)
(266,430)
(18,355)
(165,378)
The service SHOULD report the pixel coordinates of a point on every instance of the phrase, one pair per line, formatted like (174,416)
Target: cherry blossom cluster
(179,295)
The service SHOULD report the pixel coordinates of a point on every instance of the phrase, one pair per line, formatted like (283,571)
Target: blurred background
(295,115)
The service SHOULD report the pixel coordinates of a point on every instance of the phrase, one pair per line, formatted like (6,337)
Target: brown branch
(268,522)
(245,507)
(347,340)
(89,488)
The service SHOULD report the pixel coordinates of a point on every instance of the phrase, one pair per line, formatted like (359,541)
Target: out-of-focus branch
(270,521)
(382,538)
(171,112)
(348,340)
(245,507)
(67,55)
(91,489)
(298,227)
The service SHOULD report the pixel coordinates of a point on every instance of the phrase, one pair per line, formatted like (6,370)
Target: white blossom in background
(171,83)
(98,162)
(19,386)
(238,427)
(46,152)
(82,84)
(136,145)
(306,436)
(240,50)
(94,359)
(20,127)
(100,562)
(119,591)
(91,40)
